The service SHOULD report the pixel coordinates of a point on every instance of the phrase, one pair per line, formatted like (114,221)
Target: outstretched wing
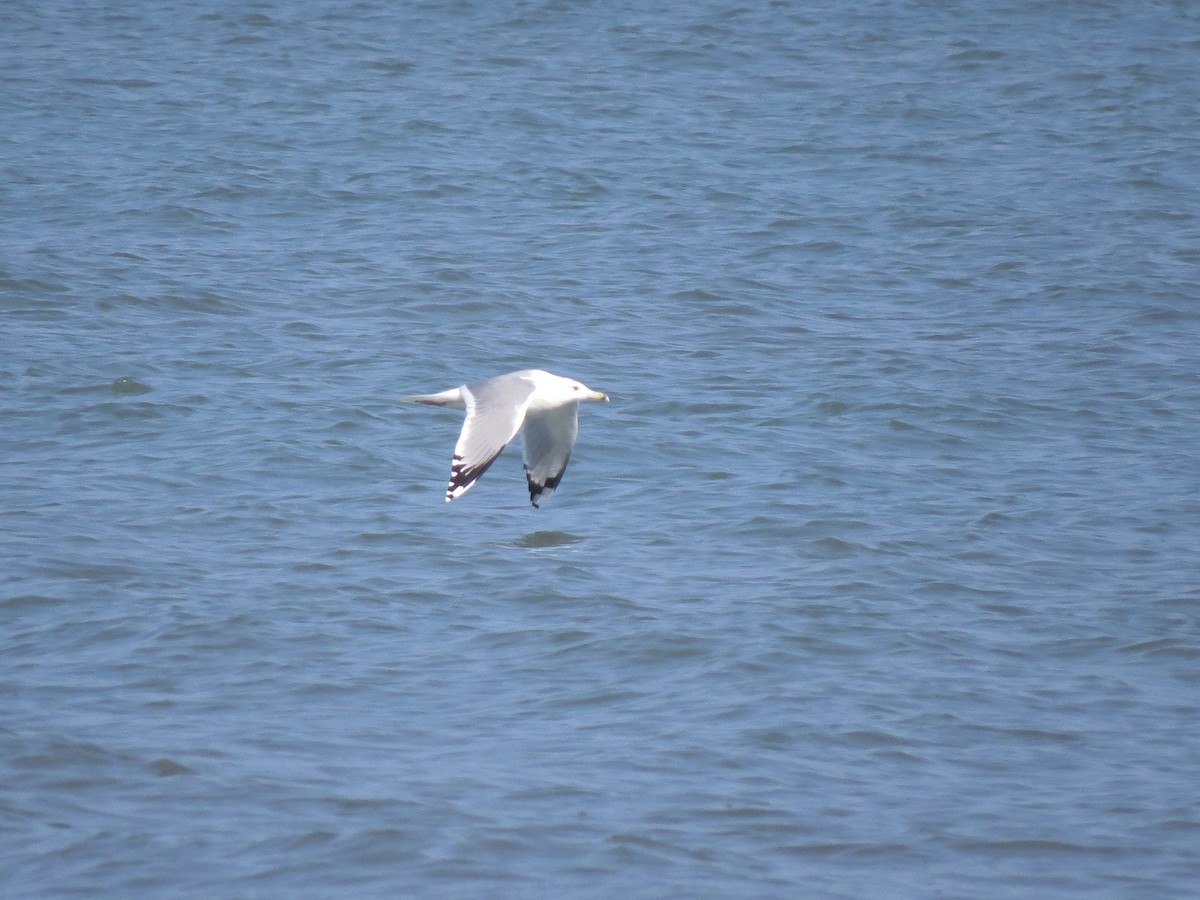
(495,412)
(549,437)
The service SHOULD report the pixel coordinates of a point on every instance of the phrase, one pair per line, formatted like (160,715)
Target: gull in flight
(543,405)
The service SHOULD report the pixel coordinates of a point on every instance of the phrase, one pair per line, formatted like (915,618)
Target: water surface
(878,577)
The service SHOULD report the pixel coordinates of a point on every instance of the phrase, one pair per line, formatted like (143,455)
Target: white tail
(452,397)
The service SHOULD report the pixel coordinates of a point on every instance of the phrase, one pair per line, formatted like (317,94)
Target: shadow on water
(540,540)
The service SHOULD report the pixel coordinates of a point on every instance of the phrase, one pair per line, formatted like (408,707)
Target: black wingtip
(463,478)
(545,489)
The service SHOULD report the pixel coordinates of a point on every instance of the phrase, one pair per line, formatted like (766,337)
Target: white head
(554,390)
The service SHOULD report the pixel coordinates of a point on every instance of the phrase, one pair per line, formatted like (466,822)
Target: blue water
(877,578)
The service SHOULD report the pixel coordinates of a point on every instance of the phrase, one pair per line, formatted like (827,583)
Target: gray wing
(549,438)
(495,412)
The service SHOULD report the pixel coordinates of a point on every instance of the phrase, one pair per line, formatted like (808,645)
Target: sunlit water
(878,577)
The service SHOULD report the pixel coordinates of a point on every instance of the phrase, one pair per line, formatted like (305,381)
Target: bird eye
(575,387)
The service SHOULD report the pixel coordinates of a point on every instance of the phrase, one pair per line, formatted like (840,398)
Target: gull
(542,405)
